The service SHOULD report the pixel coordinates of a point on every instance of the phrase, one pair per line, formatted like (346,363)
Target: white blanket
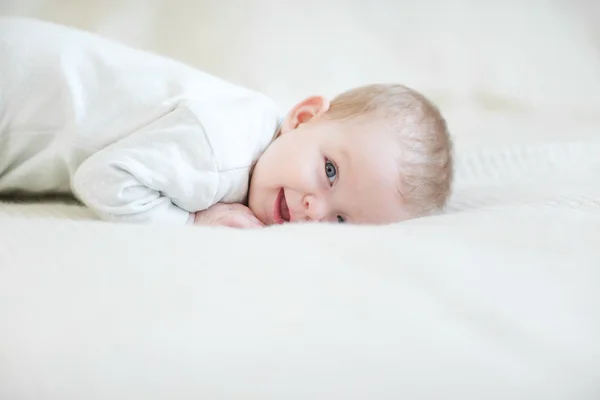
(497,299)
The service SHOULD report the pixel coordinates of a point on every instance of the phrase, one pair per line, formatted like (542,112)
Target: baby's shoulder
(238,123)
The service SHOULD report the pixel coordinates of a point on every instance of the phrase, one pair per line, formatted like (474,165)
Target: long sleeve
(158,174)
(135,136)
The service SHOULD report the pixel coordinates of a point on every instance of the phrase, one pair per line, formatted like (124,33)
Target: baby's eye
(330,171)
(341,219)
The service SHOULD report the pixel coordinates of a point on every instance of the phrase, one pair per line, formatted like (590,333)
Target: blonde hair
(425,163)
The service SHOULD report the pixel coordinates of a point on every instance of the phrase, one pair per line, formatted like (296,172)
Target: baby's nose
(315,207)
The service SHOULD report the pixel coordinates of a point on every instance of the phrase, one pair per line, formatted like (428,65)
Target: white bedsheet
(498,299)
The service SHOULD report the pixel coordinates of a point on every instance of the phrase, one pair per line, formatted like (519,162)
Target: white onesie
(135,136)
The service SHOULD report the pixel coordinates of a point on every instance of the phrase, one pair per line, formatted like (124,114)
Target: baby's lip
(277,219)
(281,213)
(284,209)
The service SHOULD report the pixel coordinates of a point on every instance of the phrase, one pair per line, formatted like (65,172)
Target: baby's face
(328,171)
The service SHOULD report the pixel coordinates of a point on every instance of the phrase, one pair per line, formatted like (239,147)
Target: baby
(138,137)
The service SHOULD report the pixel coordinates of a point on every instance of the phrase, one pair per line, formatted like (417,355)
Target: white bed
(497,299)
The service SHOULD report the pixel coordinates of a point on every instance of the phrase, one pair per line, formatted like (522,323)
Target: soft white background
(498,300)
(502,71)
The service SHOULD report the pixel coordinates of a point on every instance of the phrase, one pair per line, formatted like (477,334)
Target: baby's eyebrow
(345,155)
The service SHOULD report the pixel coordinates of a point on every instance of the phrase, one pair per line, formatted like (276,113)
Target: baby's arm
(157,174)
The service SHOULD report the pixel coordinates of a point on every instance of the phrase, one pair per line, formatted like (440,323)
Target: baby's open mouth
(281,212)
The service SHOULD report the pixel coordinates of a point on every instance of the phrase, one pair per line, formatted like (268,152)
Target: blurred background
(503,72)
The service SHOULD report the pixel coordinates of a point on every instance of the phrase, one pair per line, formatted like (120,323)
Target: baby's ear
(304,111)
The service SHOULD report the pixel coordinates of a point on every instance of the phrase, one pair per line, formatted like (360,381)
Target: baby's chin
(253,206)
(261,217)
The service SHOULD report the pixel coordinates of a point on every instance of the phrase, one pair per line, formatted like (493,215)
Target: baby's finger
(242,221)
(255,222)
(250,221)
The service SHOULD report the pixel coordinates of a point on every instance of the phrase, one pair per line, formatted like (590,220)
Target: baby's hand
(231,215)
